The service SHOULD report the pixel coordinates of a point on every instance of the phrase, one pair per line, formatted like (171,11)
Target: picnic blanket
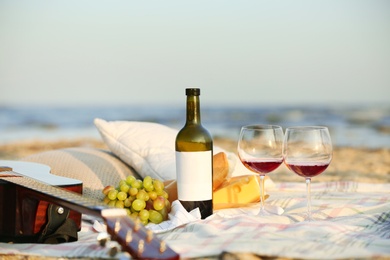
(352,221)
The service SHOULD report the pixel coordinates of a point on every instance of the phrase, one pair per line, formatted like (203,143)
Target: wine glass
(307,151)
(260,151)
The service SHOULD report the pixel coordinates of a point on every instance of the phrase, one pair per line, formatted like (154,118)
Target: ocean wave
(367,126)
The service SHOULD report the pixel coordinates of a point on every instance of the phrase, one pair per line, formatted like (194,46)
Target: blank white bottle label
(194,171)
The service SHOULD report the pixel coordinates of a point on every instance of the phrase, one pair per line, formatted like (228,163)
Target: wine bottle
(194,160)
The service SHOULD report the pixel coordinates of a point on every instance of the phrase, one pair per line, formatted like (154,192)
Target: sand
(348,164)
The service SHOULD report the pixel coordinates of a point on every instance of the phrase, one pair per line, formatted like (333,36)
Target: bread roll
(220,169)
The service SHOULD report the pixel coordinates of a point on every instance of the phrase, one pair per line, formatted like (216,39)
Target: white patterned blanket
(353,222)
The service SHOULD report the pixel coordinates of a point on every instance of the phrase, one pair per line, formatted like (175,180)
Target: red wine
(308,170)
(262,166)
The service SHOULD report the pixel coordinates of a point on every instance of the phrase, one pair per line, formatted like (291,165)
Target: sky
(238,52)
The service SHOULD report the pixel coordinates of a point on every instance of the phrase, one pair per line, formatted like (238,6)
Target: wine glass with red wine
(307,151)
(260,151)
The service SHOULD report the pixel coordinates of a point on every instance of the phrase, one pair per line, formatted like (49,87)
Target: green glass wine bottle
(194,160)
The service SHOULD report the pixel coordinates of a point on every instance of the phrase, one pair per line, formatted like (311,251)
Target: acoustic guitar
(23,193)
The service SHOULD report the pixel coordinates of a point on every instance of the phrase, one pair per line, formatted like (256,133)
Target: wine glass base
(308,218)
(263,212)
(270,210)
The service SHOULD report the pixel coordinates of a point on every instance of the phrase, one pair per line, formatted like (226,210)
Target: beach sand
(348,164)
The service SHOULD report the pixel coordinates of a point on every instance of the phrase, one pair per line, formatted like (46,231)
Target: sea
(349,125)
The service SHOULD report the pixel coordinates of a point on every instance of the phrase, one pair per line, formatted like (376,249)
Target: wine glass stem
(262,192)
(308,181)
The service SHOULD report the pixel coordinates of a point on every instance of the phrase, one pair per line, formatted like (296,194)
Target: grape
(138,204)
(128,201)
(134,215)
(128,211)
(112,194)
(124,187)
(137,184)
(163,193)
(148,186)
(159,203)
(130,179)
(121,182)
(148,183)
(107,189)
(144,214)
(119,204)
(106,200)
(152,195)
(112,203)
(133,191)
(149,205)
(148,180)
(155,217)
(167,205)
(121,195)
(145,199)
(143,195)
(158,185)
(164,212)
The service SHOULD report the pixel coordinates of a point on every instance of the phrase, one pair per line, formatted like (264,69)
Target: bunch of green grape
(144,199)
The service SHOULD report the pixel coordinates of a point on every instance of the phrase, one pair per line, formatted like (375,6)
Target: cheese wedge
(237,192)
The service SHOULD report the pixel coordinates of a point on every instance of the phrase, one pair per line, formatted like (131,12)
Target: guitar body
(23,215)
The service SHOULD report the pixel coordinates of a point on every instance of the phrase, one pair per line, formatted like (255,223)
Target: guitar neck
(133,236)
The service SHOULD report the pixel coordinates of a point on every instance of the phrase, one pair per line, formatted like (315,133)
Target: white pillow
(147,147)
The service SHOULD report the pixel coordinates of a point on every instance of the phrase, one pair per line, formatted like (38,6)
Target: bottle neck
(193,110)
